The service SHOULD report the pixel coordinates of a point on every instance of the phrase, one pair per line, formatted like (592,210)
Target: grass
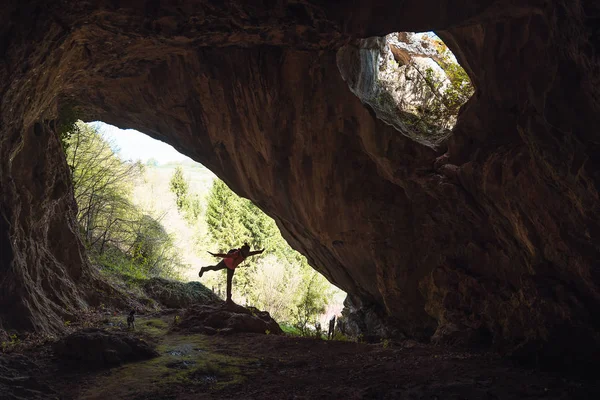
(12,342)
(118,264)
(289,329)
(154,328)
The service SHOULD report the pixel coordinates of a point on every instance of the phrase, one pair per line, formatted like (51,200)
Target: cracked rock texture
(491,237)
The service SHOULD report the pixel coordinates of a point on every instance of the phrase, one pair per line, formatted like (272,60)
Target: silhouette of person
(231,260)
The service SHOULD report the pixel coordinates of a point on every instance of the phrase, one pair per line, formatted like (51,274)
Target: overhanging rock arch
(491,237)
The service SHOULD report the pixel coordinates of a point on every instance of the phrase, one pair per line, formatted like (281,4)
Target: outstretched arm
(252,253)
(218,255)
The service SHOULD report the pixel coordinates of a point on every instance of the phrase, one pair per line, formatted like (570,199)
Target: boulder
(99,348)
(174,294)
(227,318)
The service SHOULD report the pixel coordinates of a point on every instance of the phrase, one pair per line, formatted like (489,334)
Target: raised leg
(217,267)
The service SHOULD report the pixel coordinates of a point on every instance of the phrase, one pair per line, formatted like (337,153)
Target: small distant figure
(318,330)
(231,260)
(331,328)
(131,320)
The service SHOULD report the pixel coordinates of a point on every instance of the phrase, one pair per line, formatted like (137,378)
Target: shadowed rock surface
(490,237)
(18,380)
(226,319)
(93,347)
(259,366)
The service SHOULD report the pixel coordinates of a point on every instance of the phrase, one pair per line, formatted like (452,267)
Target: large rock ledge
(225,319)
(491,237)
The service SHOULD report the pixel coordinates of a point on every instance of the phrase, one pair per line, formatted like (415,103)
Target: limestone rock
(389,75)
(367,322)
(494,228)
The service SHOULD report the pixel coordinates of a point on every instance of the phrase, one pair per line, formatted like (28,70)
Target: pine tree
(179,187)
(223,215)
(282,281)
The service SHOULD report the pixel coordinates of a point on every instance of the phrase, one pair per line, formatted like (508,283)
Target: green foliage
(116,262)
(174,294)
(179,187)
(132,244)
(187,203)
(280,281)
(290,329)
(67,124)
(153,328)
(153,249)
(192,208)
(424,101)
(339,336)
(102,184)
(12,342)
(224,210)
(312,300)
(446,101)
(118,235)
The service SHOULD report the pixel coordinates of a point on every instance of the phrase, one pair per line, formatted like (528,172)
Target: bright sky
(134,145)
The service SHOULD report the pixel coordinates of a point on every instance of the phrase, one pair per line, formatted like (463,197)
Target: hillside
(152,193)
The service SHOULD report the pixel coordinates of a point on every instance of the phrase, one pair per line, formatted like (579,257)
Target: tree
(115,232)
(179,187)
(314,294)
(102,184)
(274,281)
(224,211)
(187,203)
(281,282)
(153,249)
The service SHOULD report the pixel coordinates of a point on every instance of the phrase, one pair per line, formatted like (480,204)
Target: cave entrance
(412,81)
(145,210)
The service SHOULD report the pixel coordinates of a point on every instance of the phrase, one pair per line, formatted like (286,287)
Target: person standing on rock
(230,261)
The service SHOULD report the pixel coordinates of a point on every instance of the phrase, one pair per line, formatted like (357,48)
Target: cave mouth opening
(145,210)
(412,81)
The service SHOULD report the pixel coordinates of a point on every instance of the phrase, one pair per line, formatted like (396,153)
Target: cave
(487,236)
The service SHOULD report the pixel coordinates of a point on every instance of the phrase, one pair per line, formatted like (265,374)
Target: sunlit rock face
(390,75)
(488,237)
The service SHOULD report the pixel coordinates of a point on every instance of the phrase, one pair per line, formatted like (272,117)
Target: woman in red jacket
(230,261)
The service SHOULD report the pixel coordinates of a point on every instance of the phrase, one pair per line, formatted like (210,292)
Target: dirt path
(254,366)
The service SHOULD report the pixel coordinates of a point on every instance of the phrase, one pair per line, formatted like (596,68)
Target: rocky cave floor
(268,366)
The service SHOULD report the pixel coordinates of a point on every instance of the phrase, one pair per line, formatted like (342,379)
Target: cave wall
(489,238)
